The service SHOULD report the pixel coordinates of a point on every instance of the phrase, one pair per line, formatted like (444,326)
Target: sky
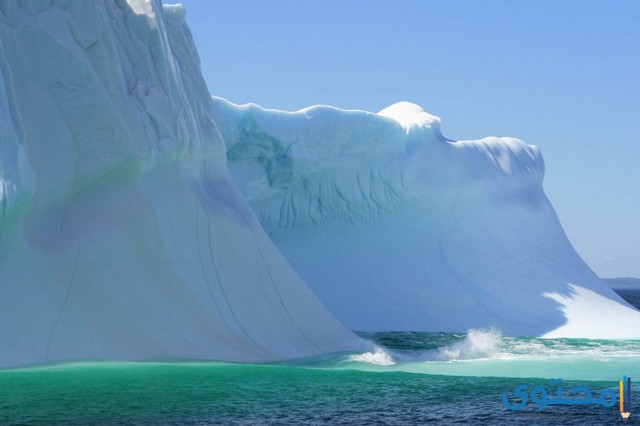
(562,75)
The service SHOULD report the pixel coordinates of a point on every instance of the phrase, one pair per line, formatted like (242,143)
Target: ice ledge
(410,115)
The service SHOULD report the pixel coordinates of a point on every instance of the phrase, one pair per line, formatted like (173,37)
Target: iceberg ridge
(425,233)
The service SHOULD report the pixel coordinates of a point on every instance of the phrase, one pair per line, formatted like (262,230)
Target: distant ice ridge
(396,227)
(122,236)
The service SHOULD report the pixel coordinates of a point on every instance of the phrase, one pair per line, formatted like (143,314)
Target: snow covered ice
(396,227)
(121,234)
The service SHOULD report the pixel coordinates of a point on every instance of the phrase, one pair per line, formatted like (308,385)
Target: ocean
(412,378)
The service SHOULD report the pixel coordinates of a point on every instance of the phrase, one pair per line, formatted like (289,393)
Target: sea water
(411,378)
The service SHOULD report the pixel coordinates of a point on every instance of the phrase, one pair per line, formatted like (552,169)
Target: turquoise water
(412,378)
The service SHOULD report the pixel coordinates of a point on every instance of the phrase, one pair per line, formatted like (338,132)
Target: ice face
(122,235)
(397,228)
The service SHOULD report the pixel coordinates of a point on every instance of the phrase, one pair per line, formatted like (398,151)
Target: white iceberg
(121,233)
(396,227)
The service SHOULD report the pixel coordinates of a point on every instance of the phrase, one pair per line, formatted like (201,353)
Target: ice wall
(121,234)
(397,228)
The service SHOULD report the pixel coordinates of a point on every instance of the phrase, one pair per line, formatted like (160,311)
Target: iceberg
(396,227)
(122,236)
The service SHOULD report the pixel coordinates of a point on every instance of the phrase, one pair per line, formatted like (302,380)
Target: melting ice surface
(396,227)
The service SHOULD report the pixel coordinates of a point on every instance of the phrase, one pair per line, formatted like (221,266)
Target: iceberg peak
(141,7)
(175,11)
(409,115)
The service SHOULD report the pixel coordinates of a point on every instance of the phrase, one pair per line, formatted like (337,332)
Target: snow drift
(397,228)
(121,234)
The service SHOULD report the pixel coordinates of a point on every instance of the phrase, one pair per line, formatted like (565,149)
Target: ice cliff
(396,227)
(121,233)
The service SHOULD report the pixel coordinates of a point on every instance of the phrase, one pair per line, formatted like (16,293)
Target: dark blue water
(630,295)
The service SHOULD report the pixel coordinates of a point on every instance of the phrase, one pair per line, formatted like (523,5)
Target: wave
(477,344)
(489,353)
(377,357)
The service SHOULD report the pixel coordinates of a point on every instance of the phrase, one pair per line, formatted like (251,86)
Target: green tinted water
(411,378)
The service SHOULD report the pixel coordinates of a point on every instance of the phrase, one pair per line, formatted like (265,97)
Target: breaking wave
(489,353)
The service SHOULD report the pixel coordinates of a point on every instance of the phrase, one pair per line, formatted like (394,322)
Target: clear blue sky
(563,75)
